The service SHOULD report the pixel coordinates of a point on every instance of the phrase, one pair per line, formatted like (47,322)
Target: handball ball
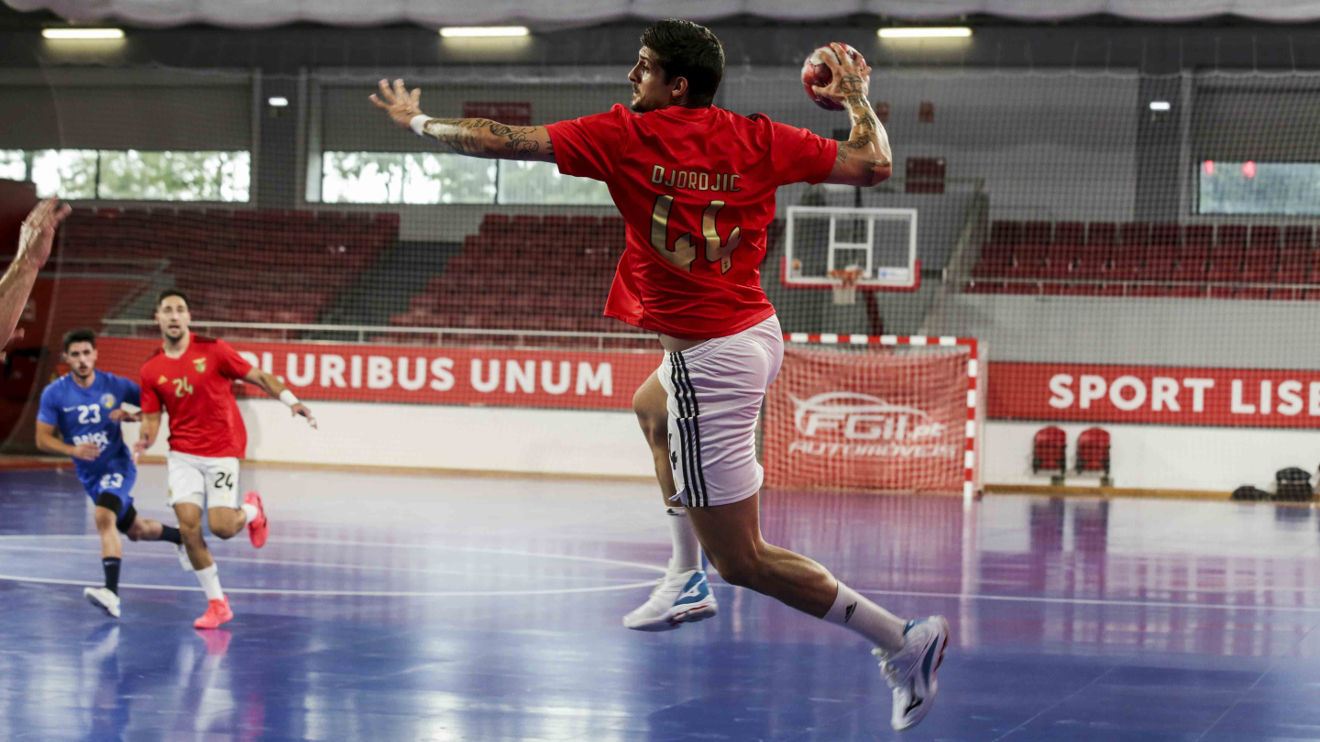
(816,72)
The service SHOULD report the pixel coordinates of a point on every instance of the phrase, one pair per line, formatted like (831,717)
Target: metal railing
(361,333)
(1207,285)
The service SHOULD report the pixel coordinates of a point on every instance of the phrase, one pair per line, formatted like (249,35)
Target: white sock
(210,579)
(251,511)
(687,550)
(852,611)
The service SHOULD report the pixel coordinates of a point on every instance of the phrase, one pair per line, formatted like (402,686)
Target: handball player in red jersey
(696,187)
(191,377)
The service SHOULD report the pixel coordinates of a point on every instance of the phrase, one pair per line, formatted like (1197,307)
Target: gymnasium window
(542,183)
(428,178)
(132,175)
(1258,187)
(13,164)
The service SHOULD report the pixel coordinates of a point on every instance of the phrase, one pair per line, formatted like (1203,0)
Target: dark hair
(80,335)
(167,293)
(685,49)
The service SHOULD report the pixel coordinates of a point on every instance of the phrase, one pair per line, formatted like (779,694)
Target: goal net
(875,413)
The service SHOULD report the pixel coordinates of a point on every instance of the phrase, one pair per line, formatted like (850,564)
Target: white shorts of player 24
(203,481)
(715,392)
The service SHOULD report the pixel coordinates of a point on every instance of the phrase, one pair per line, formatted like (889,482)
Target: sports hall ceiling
(547,14)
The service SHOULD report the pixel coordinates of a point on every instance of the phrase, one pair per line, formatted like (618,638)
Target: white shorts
(715,392)
(202,481)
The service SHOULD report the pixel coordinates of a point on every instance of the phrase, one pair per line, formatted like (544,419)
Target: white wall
(443,437)
(1159,457)
(609,443)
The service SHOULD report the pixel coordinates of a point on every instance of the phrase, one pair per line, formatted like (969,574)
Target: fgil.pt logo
(852,424)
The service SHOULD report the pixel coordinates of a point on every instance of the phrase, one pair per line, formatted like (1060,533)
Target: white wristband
(287,398)
(418,122)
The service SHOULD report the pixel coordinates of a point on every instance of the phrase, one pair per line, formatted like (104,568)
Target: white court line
(1093,601)
(363,593)
(441,547)
(348,593)
(291,563)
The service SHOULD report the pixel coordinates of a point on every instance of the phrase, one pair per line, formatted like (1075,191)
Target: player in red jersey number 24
(696,185)
(191,377)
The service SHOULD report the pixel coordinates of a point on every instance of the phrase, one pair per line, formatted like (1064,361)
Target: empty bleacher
(525,272)
(1140,259)
(235,265)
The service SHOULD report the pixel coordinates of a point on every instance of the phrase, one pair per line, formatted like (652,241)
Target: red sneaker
(258,528)
(217,612)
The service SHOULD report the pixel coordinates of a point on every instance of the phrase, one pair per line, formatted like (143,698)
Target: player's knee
(743,570)
(190,532)
(105,520)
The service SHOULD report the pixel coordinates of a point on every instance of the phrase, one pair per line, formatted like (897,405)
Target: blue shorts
(115,478)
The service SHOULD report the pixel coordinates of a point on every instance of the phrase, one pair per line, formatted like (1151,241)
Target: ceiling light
(82,33)
(277,101)
(1160,105)
(958,32)
(483,32)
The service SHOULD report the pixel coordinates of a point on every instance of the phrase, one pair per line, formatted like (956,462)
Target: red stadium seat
(1101,233)
(1161,268)
(1006,232)
(1093,451)
(1166,237)
(1038,233)
(1297,237)
(1199,234)
(1232,235)
(1260,264)
(1134,233)
(1049,450)
(1263,236)
(1222,272)
(1069,233)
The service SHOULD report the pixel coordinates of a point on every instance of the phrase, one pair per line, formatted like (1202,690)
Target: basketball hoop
(845,285)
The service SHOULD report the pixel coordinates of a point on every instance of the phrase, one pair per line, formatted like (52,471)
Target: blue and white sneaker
(681,597)
(911,670)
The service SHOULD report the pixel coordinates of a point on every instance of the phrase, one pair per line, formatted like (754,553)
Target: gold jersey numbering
(683,252)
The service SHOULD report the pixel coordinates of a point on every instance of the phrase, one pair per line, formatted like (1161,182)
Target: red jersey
(196,389)
(696,188)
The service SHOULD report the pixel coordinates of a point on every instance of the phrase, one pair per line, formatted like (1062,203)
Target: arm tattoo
(868,142)
(486,138)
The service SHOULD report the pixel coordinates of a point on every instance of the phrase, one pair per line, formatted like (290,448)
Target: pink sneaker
(217,612)
(258,528)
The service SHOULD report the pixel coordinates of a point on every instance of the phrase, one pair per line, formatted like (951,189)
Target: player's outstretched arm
(473,137)
(34,243)
(865,159)
(271,384)
(46,441)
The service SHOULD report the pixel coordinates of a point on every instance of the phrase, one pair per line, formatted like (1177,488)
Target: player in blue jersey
(86,407)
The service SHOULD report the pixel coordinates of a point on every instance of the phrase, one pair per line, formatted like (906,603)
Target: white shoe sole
(699,612)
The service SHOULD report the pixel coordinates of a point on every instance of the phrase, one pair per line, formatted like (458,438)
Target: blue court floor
(441,608)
